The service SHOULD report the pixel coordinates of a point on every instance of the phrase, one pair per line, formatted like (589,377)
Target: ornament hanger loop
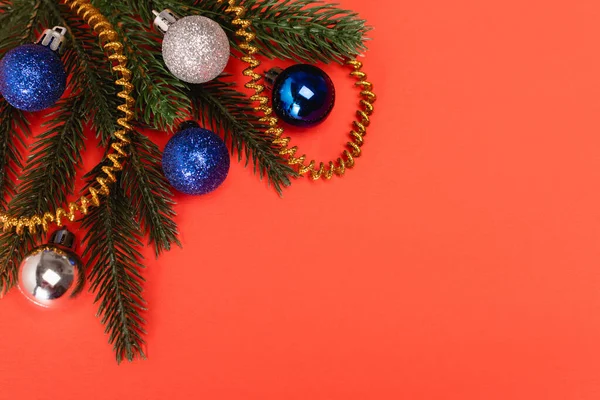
(53,38)
(164,20)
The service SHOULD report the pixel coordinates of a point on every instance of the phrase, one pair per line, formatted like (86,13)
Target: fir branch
(218,105)
(306,30)
(87,65)
(161,98)
(20,21)
(49,175)
(13,248)
(112,244)
(300,30)
(13,129)
(150,193)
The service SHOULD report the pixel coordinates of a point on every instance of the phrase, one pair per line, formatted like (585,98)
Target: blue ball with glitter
(303,95)
(195,160)
(32,77)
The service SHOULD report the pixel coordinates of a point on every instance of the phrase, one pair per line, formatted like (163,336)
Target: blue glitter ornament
(32,76)
(303,95)
(195,160)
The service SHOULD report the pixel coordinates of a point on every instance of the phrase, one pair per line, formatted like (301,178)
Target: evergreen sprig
(13,248)
(161,100)
(49,176)
(47,179)
(112,245)
(140,205)
(20,21)
(300,30)
(222,108)
(150,194)
(82,57)
(306,30)
(13,129)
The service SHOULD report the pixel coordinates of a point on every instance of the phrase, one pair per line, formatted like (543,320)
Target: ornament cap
(53,38)
(164,20)
(63,237)
(271,76)
(188,125)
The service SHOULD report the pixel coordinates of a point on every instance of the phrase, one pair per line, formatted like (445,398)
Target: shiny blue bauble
(32,77)
(303,95)
(195,160)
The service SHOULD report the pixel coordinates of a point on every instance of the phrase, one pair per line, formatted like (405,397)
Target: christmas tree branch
(19,21)
(13,248)
(112,245)
(47,180)
(140,204)
(13,128)
(306,30)
(161,100)
(82,58)
(300,30)
(49,176)
(228,110)
(150,194)
(218,105)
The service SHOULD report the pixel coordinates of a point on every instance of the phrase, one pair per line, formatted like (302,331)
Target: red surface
(459,260)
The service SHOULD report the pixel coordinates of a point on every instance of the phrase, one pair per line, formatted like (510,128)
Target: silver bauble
(49,275)
(195,49)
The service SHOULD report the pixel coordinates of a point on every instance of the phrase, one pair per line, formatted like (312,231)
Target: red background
(459,260)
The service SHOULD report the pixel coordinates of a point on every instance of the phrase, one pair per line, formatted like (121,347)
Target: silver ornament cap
(164,20)
(195,48)
(49,275)
(53,38)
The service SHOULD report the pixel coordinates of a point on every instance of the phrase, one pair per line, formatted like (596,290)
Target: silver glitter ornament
(51,274)
(195,48)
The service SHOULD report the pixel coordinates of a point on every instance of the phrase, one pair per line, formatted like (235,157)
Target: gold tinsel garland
(112,46)
(367,98)
(109,39)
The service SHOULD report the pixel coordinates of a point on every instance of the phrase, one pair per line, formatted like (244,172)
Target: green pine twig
(161,99)
(83,59)
(218,105)
(49,176)
(13,248)
(112,244)
(150,193)
(13,130)
(308,31)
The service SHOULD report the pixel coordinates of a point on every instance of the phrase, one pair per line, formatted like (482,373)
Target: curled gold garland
(353,147)
(109,40)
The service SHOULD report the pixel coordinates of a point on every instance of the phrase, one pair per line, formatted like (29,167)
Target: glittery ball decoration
(49,275)
(195,160)
(32,77)
(196,49)
(303,95)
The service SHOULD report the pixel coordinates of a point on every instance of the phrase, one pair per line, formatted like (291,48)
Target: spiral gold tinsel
(353,147)
(114,50)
